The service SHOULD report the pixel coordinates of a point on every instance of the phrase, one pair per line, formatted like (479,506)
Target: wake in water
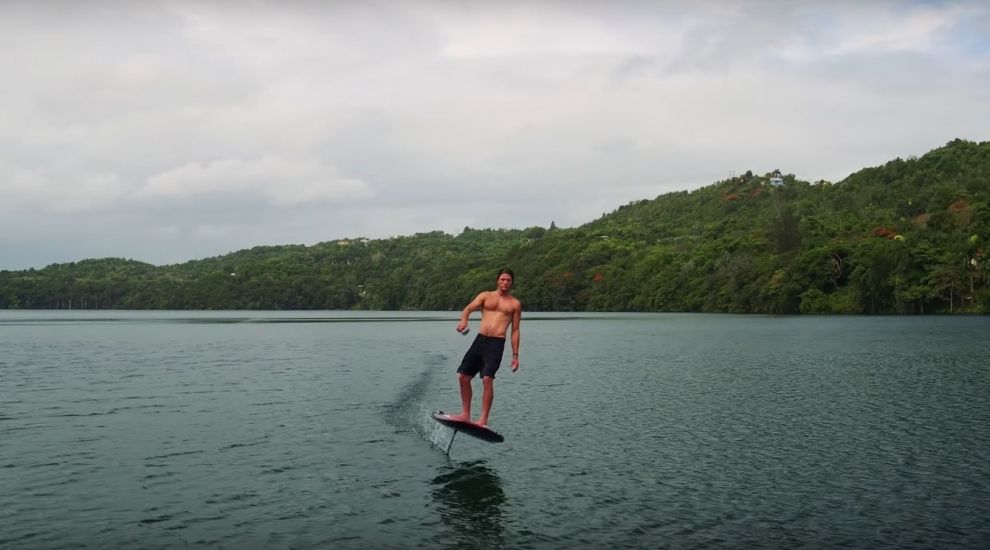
(410,410)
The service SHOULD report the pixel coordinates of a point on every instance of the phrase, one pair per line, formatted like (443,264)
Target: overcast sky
(170,131)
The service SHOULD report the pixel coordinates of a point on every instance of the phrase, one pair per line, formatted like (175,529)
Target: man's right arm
(475,305)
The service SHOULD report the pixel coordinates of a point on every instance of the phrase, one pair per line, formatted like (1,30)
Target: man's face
(504,281)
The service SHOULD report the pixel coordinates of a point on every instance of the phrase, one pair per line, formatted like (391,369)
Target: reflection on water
(469,498)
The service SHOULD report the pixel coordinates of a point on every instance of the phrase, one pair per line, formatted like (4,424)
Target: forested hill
(906,237)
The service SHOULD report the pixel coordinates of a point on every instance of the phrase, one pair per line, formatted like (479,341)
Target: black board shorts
(484,355)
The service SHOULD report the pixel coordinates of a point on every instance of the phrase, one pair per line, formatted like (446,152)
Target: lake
(312,430)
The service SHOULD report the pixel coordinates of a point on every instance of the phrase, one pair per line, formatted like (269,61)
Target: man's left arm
(516,318)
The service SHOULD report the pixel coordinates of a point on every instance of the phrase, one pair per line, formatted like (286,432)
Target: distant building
(776,181)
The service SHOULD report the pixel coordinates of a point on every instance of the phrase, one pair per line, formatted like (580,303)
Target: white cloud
(914,30)
(59,192)
(507,30)
(280,181)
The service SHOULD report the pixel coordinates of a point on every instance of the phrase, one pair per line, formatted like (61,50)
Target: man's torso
(497,313)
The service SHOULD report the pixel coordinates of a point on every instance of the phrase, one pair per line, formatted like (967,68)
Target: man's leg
(486,399)
(465,383)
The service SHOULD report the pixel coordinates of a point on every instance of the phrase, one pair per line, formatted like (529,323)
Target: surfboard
(469,428)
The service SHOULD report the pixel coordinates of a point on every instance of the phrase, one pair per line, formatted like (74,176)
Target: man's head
(505,279)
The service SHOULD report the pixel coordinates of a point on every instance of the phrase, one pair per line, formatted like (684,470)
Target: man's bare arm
(475,305)
(516,318)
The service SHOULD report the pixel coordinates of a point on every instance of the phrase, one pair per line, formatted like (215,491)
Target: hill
(906,237)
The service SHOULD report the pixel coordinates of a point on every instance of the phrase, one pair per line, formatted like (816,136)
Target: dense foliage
(907,237)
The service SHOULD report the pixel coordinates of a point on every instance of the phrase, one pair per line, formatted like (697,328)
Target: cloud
(879,30)
(172,130)
(280,181)
(38,190)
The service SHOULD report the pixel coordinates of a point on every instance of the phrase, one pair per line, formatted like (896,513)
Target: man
(499,309)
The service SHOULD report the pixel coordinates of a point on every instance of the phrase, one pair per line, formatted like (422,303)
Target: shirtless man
(499,309)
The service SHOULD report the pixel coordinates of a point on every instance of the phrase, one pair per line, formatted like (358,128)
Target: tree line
(906,237)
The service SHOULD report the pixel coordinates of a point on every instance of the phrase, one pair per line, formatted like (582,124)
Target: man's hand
(515,364)
(462,327)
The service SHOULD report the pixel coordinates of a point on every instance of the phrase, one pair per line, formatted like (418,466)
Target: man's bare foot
(460,417)
(482,423)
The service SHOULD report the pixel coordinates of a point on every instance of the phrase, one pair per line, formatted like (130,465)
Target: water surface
(311,430)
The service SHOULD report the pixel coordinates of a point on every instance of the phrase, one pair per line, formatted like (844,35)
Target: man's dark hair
(506,270)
